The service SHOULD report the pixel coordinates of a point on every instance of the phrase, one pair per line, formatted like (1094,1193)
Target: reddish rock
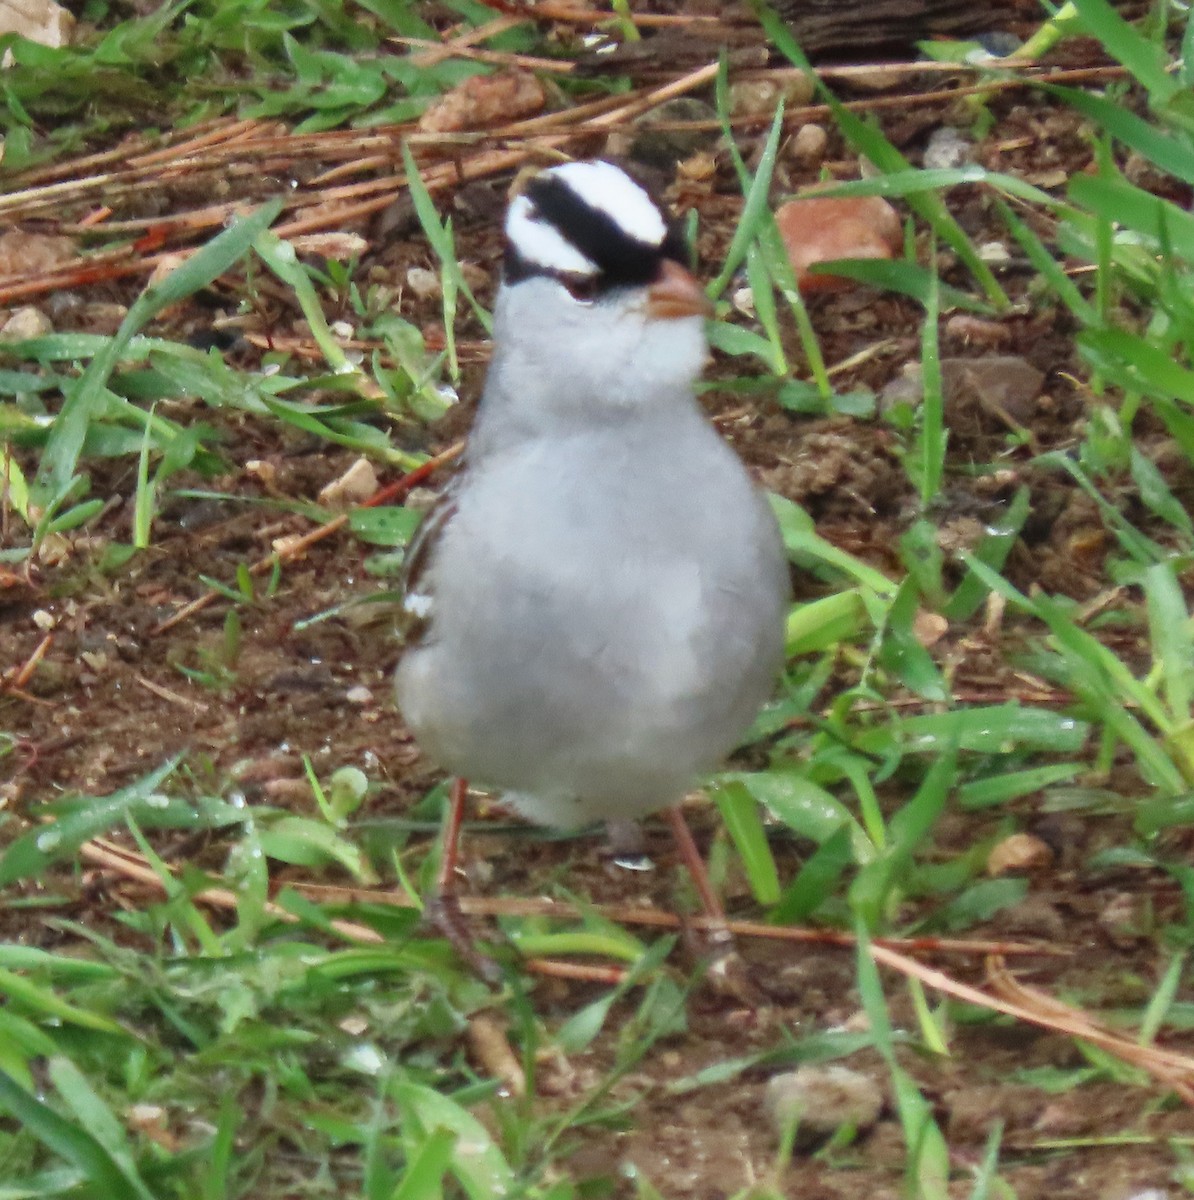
(819,229)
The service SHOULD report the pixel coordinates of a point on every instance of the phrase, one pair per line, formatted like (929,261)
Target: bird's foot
(444,914)
(726,973)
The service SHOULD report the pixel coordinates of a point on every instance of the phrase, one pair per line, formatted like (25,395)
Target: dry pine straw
(1006,995)
(250,150)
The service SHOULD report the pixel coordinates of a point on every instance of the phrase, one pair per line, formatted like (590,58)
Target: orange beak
(676,294)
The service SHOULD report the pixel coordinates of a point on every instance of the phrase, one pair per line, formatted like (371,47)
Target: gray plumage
(604,593)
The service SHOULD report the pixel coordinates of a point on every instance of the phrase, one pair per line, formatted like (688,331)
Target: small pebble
(998,43)
(359,482)
(25,323)
(878,80)
(424,283)
(1126,920)
(743,300)
(141,1115)
(475,275)
(929,627)
(1033,917)
(975,331)
(287,790)
(808,146)
(822,1100)
(1003,385)
(700,167)
(754,96)
(1019,852)
(750,97)
(947,149)
(263,469)
(908,387)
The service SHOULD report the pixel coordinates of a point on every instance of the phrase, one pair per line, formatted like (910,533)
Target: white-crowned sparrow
(596,606)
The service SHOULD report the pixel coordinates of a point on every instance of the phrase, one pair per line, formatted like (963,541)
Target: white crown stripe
(602,187)
(539,242)
(610,190)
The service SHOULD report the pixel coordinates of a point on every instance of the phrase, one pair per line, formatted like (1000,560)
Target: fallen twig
(127,862)
(241,146)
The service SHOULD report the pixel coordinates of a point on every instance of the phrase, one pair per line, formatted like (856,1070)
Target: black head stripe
(515,268)
(623,260)
(675,246)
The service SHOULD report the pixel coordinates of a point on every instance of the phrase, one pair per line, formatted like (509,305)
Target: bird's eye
(582,288)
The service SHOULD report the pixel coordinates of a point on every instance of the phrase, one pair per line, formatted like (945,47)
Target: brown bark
(830,26)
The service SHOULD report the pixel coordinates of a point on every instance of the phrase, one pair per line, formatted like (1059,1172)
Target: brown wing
(418,600)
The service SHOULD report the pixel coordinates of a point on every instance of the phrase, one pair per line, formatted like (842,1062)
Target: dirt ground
(108,703)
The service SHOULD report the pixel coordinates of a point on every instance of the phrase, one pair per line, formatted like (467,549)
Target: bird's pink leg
(444,910)
(450,857)
(694,862)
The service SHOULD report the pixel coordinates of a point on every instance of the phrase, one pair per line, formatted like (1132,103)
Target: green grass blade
(822,624)
(1001,789)
(930,451)
(1171,636)
(475,1159)
(280,257)
(424,1175)
(901,651)
(217,1175)
(763,290)
(1162,1000)
(1103,681)
(69,1142)
(32,852)
(1144,60)
(42,1000)
(985,1176)
(96,1118)
(1050,270)
(143,498)
(65,443)
(1117,202)
(804,806)
(906,278)
(1136,365)
(182,910)
(740,812)
(1171,154)
(439,235)
(927,1169)
(755,208)
(804,543)
(998,542)
(815,881)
